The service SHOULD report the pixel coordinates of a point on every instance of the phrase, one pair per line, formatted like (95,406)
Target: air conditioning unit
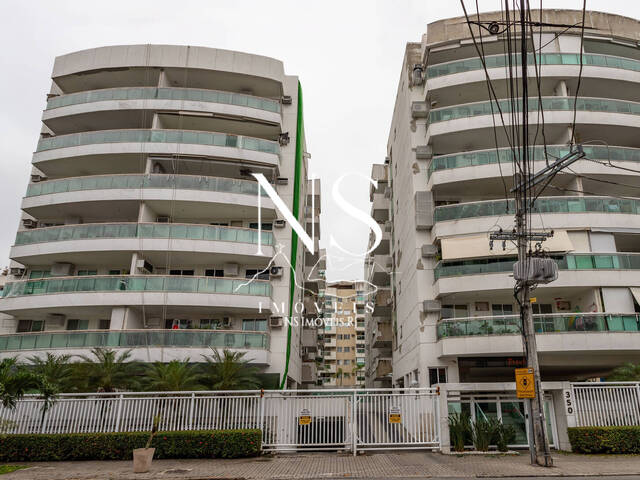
(287,100)
(276,322)
(29,223)
(55,319)
(387,160)
(143,265)
(283,139)
(279,223)
(282,181)
(231,269)
(431,306)
(17,271)
(154,323)
(424,152)
(275,271)
(163,219)
(429,250)
(419,110)
(226,322)
(35,178)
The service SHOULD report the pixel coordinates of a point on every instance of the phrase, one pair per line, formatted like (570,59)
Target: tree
(628,372)
(174,376)
(339,374)
(56,371)
(229,371)
(108,371)
(15,382)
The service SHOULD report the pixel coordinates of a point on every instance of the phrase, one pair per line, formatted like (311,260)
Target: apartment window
(86,273)
(339,336)
(339,349)
(437,375)
(30,326)
(360,337)
(188,273)
(209,323)
(254,325)
(346,362)
(115,272)
(347,349)
(77,324)
(219,224)
(541,308)
(213,272)
(360,350)
(262,274)
(346,336)
(346,375)
(265,226)
(455,311)
(104,324)
(502,309)
(39,274)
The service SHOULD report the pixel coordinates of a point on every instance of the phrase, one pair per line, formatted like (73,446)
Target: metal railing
(179,182)
(505,155)
(290,420)
(565,262)
(543,323)
(88,231)
(583,104)
(500,61)
(159,136)
(147,338)
(606,404)
(133,283)
(164,93)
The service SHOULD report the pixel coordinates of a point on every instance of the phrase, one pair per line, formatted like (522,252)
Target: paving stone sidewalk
(331,465)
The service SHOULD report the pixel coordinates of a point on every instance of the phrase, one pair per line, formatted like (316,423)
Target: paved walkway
(331,465)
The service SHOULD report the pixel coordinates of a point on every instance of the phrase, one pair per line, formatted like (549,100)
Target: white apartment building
(453,315)
(140,223)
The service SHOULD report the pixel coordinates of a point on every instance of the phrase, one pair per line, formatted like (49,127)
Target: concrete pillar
(443,409)
(562,419)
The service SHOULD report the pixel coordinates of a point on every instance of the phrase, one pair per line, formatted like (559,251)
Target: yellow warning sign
(533,299)
(394,415)
(305,417)
(525,385)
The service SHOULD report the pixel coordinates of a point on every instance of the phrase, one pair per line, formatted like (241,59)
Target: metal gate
(290,420)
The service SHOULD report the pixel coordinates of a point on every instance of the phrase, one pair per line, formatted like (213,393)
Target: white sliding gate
(606,404)
(290,419)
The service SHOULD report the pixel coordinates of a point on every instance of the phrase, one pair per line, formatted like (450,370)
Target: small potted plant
(142,456)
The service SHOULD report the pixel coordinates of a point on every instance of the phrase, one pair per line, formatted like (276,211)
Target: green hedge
(605,439)
(119,446)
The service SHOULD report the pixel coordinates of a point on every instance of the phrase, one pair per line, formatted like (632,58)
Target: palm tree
(229,371)
(628,372)
(56,371)
(339,374)
(174,376)
(108,371)
(15,382)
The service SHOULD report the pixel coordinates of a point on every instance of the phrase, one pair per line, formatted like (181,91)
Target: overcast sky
(347,54)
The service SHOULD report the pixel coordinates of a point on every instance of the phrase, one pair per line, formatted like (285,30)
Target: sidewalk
(332,465)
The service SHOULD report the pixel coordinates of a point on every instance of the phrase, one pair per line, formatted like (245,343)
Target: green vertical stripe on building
(294,236)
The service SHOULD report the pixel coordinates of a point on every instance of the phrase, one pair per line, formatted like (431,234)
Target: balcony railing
(179,182)
(131,283)
(548,103)
(545,323)
(142,230)
(500,61)
(159,136)
(565,262)
(541,205)
(163,93)
(505,155)
(134,338)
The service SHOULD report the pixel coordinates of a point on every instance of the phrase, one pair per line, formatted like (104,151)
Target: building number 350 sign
(569,407)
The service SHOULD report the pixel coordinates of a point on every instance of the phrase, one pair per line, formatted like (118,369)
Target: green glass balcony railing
(548,323)
(565,262)
(180,182)
(542,205)
(142,230)
(505,155)
(134,339)
(149,93)
(131,283)
(500,61)
(159,136)
(583,104)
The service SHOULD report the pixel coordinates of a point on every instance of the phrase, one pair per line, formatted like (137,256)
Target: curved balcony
(41,245)
(505,156)
(555,333)
(147,290)
(86,339)
(168,142)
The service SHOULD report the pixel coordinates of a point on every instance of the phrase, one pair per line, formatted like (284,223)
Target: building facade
(450,314)
(143,226)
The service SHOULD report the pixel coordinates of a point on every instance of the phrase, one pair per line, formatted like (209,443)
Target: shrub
(503,436)
(459,430)
(119,446)
(605,439)
(482,432)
